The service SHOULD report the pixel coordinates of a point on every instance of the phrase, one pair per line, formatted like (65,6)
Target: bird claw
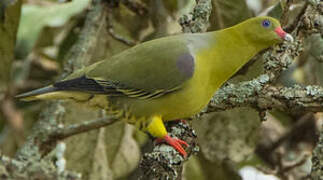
(175,143)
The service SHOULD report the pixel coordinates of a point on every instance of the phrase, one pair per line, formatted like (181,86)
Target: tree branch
(71,130)
(266,150)
(164,162)
(259,95)
(135,6)
(198,19)
(13,169)
(119,37)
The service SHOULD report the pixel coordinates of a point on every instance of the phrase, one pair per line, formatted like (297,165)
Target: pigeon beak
(285,36)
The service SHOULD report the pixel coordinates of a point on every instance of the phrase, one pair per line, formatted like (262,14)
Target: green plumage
(172,77)
(150,66)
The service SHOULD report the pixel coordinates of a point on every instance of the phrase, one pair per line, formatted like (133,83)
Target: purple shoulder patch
(185,64)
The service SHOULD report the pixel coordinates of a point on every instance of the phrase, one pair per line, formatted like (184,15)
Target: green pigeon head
(264,30)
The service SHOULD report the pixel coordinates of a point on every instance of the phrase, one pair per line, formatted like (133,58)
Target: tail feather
(32,95)
(79,88)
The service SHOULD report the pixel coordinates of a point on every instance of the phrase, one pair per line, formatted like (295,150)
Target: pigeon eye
(266,23)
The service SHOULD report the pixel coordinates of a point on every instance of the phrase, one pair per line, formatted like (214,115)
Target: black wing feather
(80,84)
(109,88)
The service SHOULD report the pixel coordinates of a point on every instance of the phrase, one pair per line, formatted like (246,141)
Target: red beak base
(282,34)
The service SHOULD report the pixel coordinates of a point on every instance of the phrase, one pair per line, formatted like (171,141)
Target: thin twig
(295,22)
(71,130)
(282,170)
(119,37)
(290,167)
(135,6)
(266,151)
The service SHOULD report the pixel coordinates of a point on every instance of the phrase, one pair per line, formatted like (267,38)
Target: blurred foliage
(228,13)
(276,11)
(36,17)
(9,19)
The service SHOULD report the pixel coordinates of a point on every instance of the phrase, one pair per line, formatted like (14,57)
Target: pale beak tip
(289,38)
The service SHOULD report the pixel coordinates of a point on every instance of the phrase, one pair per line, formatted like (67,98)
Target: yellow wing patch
(116,89)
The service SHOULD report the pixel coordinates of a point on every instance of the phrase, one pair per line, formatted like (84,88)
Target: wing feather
(146,71)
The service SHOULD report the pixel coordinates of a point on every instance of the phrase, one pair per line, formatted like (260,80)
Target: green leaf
(35,18)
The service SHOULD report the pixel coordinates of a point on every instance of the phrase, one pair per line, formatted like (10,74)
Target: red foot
(175,143)
(182,121)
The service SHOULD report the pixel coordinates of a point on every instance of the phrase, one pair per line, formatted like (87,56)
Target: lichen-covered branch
(13,169)
(198,19)
(165,162)
(258,94)
(83,49)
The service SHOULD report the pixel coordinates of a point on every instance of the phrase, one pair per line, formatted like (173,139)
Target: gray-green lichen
(315,91)
(32,148)
(198,20)
(236,95)
(280,57)
(266,96)
(33,169)
(164,162)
